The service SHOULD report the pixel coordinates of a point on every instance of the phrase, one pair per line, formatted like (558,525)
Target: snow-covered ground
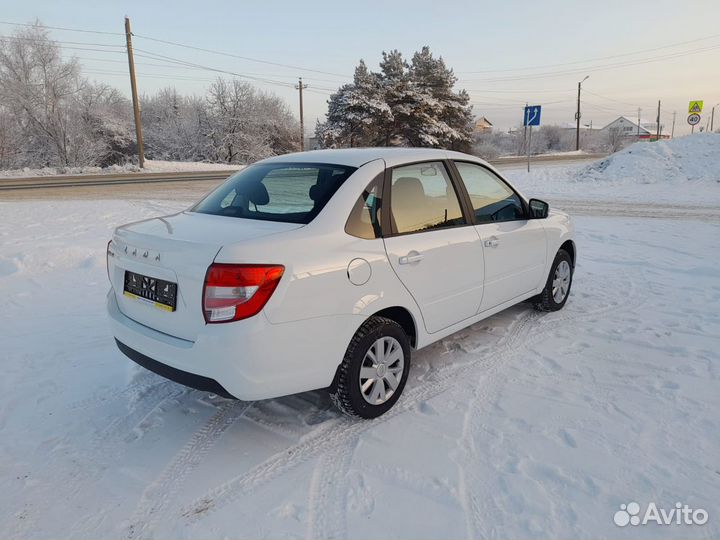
(681,171)
(151,165)
(524,425)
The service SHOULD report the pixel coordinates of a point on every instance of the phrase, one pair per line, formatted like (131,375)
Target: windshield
(289,192)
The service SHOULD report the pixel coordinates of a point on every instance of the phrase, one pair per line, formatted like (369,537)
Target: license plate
(156,292)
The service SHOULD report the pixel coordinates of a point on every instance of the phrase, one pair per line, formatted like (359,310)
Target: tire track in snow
(476,507)
(327,504)
(107,445)
(142,382)
(159,494)
(331,436)
(143,404)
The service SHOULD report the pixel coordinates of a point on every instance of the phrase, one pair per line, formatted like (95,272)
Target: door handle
(492,242)
(411,257)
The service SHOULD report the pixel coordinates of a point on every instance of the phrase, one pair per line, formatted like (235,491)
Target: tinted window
(290,192)
(491,198)
(423,198)
(364,220)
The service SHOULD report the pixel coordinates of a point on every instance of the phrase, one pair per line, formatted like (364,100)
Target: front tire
(557,287)
(374,370)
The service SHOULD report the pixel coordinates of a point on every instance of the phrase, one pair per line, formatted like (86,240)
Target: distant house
(483,125)
(630,129)
(572,126)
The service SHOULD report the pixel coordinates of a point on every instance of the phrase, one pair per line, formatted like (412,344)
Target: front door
(514,246)
(433,249)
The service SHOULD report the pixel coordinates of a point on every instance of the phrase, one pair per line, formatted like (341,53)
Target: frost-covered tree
(356,112)
(444,117)
(232,123)
(403,104)
(615,139)
(245,125)
(57,117)
(175,126)
(50,115)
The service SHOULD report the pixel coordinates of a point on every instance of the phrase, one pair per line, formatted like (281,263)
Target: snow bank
(684,171)
(151,165)
(694,158)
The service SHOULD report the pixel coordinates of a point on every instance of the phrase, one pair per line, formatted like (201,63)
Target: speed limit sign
(693,119)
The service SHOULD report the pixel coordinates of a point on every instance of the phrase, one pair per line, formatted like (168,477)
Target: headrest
(408,189)
(316,192)
(257,193)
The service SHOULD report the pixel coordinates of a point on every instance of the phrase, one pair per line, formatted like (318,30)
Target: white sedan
(326,269)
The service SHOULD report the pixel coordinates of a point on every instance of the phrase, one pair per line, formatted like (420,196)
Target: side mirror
(538,209)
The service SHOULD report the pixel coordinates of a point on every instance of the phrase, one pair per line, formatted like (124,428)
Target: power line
(167,61)
(156,56)
(70,48)
(232,55)
(151,75)
(677,44)
(601,67)
(64,29)
(176,66)
(41,40)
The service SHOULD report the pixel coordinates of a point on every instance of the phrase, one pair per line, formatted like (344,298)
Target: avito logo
(680,514)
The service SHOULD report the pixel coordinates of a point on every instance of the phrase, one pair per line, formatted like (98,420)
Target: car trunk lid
(177,249)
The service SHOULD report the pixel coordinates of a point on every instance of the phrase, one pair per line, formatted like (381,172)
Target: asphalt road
(177,185)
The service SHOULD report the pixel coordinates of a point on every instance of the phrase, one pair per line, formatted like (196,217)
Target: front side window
(491,198)
(289,192)
(423,198)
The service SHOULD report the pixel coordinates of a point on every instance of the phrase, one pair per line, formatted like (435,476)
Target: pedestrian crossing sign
(695,107)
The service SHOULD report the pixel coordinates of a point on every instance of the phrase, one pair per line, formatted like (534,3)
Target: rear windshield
(289,192)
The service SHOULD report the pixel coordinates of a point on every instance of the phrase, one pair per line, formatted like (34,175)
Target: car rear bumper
(183,377)
(250,359)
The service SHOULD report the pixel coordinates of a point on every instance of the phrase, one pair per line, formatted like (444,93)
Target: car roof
(356,157)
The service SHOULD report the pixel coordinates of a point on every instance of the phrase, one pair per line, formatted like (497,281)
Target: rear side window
(289,192)
(423,198)
(365,218)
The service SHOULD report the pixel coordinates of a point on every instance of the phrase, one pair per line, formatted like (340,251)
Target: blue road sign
(532,115)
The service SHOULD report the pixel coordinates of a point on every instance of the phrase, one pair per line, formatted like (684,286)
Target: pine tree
(404,104)
(355,112)
(446,119)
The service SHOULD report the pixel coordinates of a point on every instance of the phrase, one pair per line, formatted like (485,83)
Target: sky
(504,53)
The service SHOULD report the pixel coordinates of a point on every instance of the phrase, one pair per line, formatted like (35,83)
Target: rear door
(514,246)
(433,247)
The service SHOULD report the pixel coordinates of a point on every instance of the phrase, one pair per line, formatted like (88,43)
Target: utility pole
(657,137)
(577,116)
(638,126)
(135,101)
(712,118)
(300,87)
(672,133)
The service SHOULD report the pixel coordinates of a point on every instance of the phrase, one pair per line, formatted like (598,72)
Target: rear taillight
(238,291)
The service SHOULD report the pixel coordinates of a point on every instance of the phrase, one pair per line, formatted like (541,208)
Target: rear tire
(374,370)
(557,287)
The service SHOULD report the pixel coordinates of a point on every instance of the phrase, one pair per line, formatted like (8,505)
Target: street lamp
(577,115)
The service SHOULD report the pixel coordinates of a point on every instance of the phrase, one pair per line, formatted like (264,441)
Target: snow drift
(694,158)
